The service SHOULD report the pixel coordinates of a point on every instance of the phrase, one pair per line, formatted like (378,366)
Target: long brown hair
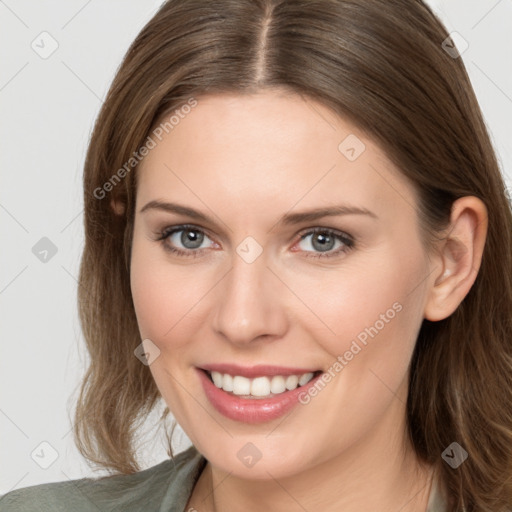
(381,65)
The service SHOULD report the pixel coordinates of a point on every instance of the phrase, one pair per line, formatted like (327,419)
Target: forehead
(272,150)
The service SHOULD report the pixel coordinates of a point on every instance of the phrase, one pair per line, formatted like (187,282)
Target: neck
(380,472)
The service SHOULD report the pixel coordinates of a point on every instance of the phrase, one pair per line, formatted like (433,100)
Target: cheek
(148,292)
(373,314)
(376,327)
(149,288)
(166,296)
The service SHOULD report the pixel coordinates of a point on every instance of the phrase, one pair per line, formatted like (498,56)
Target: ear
(117,206)
(458,258)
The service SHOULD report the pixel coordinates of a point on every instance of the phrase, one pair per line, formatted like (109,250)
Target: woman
(297,235)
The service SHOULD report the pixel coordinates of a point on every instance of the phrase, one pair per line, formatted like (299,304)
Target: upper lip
(260,370)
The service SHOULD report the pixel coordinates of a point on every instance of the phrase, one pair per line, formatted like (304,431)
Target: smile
(259,386)
(255,394)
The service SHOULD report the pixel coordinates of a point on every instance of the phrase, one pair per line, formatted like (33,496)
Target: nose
(250,303)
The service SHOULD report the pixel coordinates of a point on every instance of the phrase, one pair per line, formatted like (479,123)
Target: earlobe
(458,259)
(117,206)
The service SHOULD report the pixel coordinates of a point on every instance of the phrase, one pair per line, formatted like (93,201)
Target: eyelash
(347,240)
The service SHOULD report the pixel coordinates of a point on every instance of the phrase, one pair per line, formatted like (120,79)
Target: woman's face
(262,293)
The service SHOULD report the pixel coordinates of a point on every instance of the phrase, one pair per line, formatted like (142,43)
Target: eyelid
(347,240)
(324,229)
(304,232)
(166,232)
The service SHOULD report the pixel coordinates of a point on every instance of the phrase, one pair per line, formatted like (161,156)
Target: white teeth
(217,379)
(277,385)
(241,385)
(292,382)
(259,386)
(227,383)
(304,379)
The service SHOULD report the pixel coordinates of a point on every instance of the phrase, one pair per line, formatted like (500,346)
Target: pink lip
(251,372)
(252,410)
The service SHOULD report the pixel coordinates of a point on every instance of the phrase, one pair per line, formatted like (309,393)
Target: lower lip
(252,410)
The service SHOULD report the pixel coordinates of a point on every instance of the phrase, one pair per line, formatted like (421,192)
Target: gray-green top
(165,487)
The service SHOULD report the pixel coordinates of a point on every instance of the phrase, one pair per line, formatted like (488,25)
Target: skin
(246,161)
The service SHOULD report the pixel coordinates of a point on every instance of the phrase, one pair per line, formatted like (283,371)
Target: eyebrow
(287,219)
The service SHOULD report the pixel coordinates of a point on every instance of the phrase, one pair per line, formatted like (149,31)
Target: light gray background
(48,109)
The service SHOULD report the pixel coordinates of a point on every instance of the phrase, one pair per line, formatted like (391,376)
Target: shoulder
(168,482)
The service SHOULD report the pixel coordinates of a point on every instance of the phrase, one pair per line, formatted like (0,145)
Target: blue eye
(325,240)
(192,238)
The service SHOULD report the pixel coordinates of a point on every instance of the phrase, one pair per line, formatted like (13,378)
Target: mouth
(262,386)
(256,394)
